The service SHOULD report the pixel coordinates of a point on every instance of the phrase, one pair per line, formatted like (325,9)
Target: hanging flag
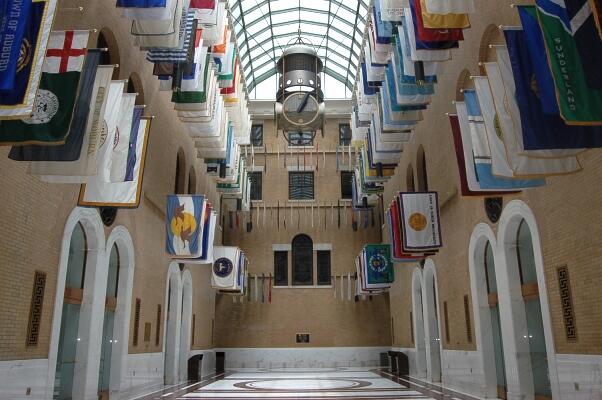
(184,223)
(442,21)
(506,160)
(92,85)
(432,35)
(121,140)
(18,102)
(56,97)
(97,193)
(420,221)
(589,45)
(107,138)
(378,266)
(84,166)
(13,25)
(579,104)
(540,129)
(227,268)
(469,184)
(450,6)
(135,130)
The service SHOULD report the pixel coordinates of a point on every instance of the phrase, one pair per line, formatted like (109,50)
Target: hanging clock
(301,109)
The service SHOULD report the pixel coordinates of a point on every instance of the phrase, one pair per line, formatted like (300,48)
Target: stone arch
(186,324)
(481,236)
(418,321)
(464,82)
(172,322)
(192,183)
(491,36)
(432,327)
(180,174)
(107,40)
(421,170)
(121,237)
(410,182)
(520,378)
(91,312)
(135,86)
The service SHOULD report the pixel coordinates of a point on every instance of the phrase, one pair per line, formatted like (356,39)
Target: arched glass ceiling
(264,28)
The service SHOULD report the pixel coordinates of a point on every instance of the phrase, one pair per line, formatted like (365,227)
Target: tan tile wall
(330,321)
(567,212)
(34,213)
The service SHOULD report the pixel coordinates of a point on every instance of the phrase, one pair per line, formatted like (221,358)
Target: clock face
(301,108)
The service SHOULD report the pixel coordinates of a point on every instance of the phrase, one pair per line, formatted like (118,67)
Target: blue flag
(131,163)
(28,45)
(13,24)
(141,3)
(543,128)
(586,37)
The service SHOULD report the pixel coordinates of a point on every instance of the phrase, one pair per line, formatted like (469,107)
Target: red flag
(434,35)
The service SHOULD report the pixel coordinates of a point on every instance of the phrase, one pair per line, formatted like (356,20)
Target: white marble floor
(304,384)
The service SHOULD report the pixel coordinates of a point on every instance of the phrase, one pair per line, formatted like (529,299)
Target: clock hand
(303,103)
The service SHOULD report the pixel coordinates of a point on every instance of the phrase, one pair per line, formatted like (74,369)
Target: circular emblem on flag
(222,267)
(104,131)
(378,263)
(417,222)
(116,140)
(46,107)
(498,127)
(25,54)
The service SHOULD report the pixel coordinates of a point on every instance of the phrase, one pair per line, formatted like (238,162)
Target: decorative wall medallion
(494,207)
(108,215)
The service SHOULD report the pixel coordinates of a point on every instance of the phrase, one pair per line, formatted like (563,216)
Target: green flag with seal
(55,100)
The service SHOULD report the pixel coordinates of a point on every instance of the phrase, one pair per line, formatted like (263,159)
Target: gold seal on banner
(417,222)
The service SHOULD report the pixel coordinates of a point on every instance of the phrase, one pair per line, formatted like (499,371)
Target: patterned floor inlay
(318,384)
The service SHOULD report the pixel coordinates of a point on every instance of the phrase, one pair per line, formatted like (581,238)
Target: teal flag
(579,104)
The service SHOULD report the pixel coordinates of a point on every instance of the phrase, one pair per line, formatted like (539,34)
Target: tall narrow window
(423,184)
(323,258)
(192,181)
(410,186)
(346,183)
(257,135)
(302,261)
(180,178)
(344,134)
(281,268)
(256,185)
(446,320)
(301,185)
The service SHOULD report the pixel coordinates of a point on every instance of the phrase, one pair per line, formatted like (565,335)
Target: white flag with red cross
(66,51)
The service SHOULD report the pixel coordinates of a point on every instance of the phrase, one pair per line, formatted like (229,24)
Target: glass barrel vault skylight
(264,28)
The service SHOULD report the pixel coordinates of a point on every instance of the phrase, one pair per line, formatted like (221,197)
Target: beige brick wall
(567,212)
(34,213)
(330,321)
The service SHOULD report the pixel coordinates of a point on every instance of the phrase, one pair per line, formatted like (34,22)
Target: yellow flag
(443,21)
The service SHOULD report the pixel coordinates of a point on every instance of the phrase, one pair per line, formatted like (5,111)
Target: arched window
(410,186)
(191,181)
(180,178)
(107,40)
(496,326)
(423,184)
(104,372)
(74,291)
(303,260)
(135,86)
(535,329)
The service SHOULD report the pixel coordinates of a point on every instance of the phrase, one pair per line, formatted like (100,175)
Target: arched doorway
(417,311)
(524,305)
(488,332)
(121,240)
(431,322)
(78,312)
(106,349)
(185,325)
(171,340)
(421,170)
(410,186)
